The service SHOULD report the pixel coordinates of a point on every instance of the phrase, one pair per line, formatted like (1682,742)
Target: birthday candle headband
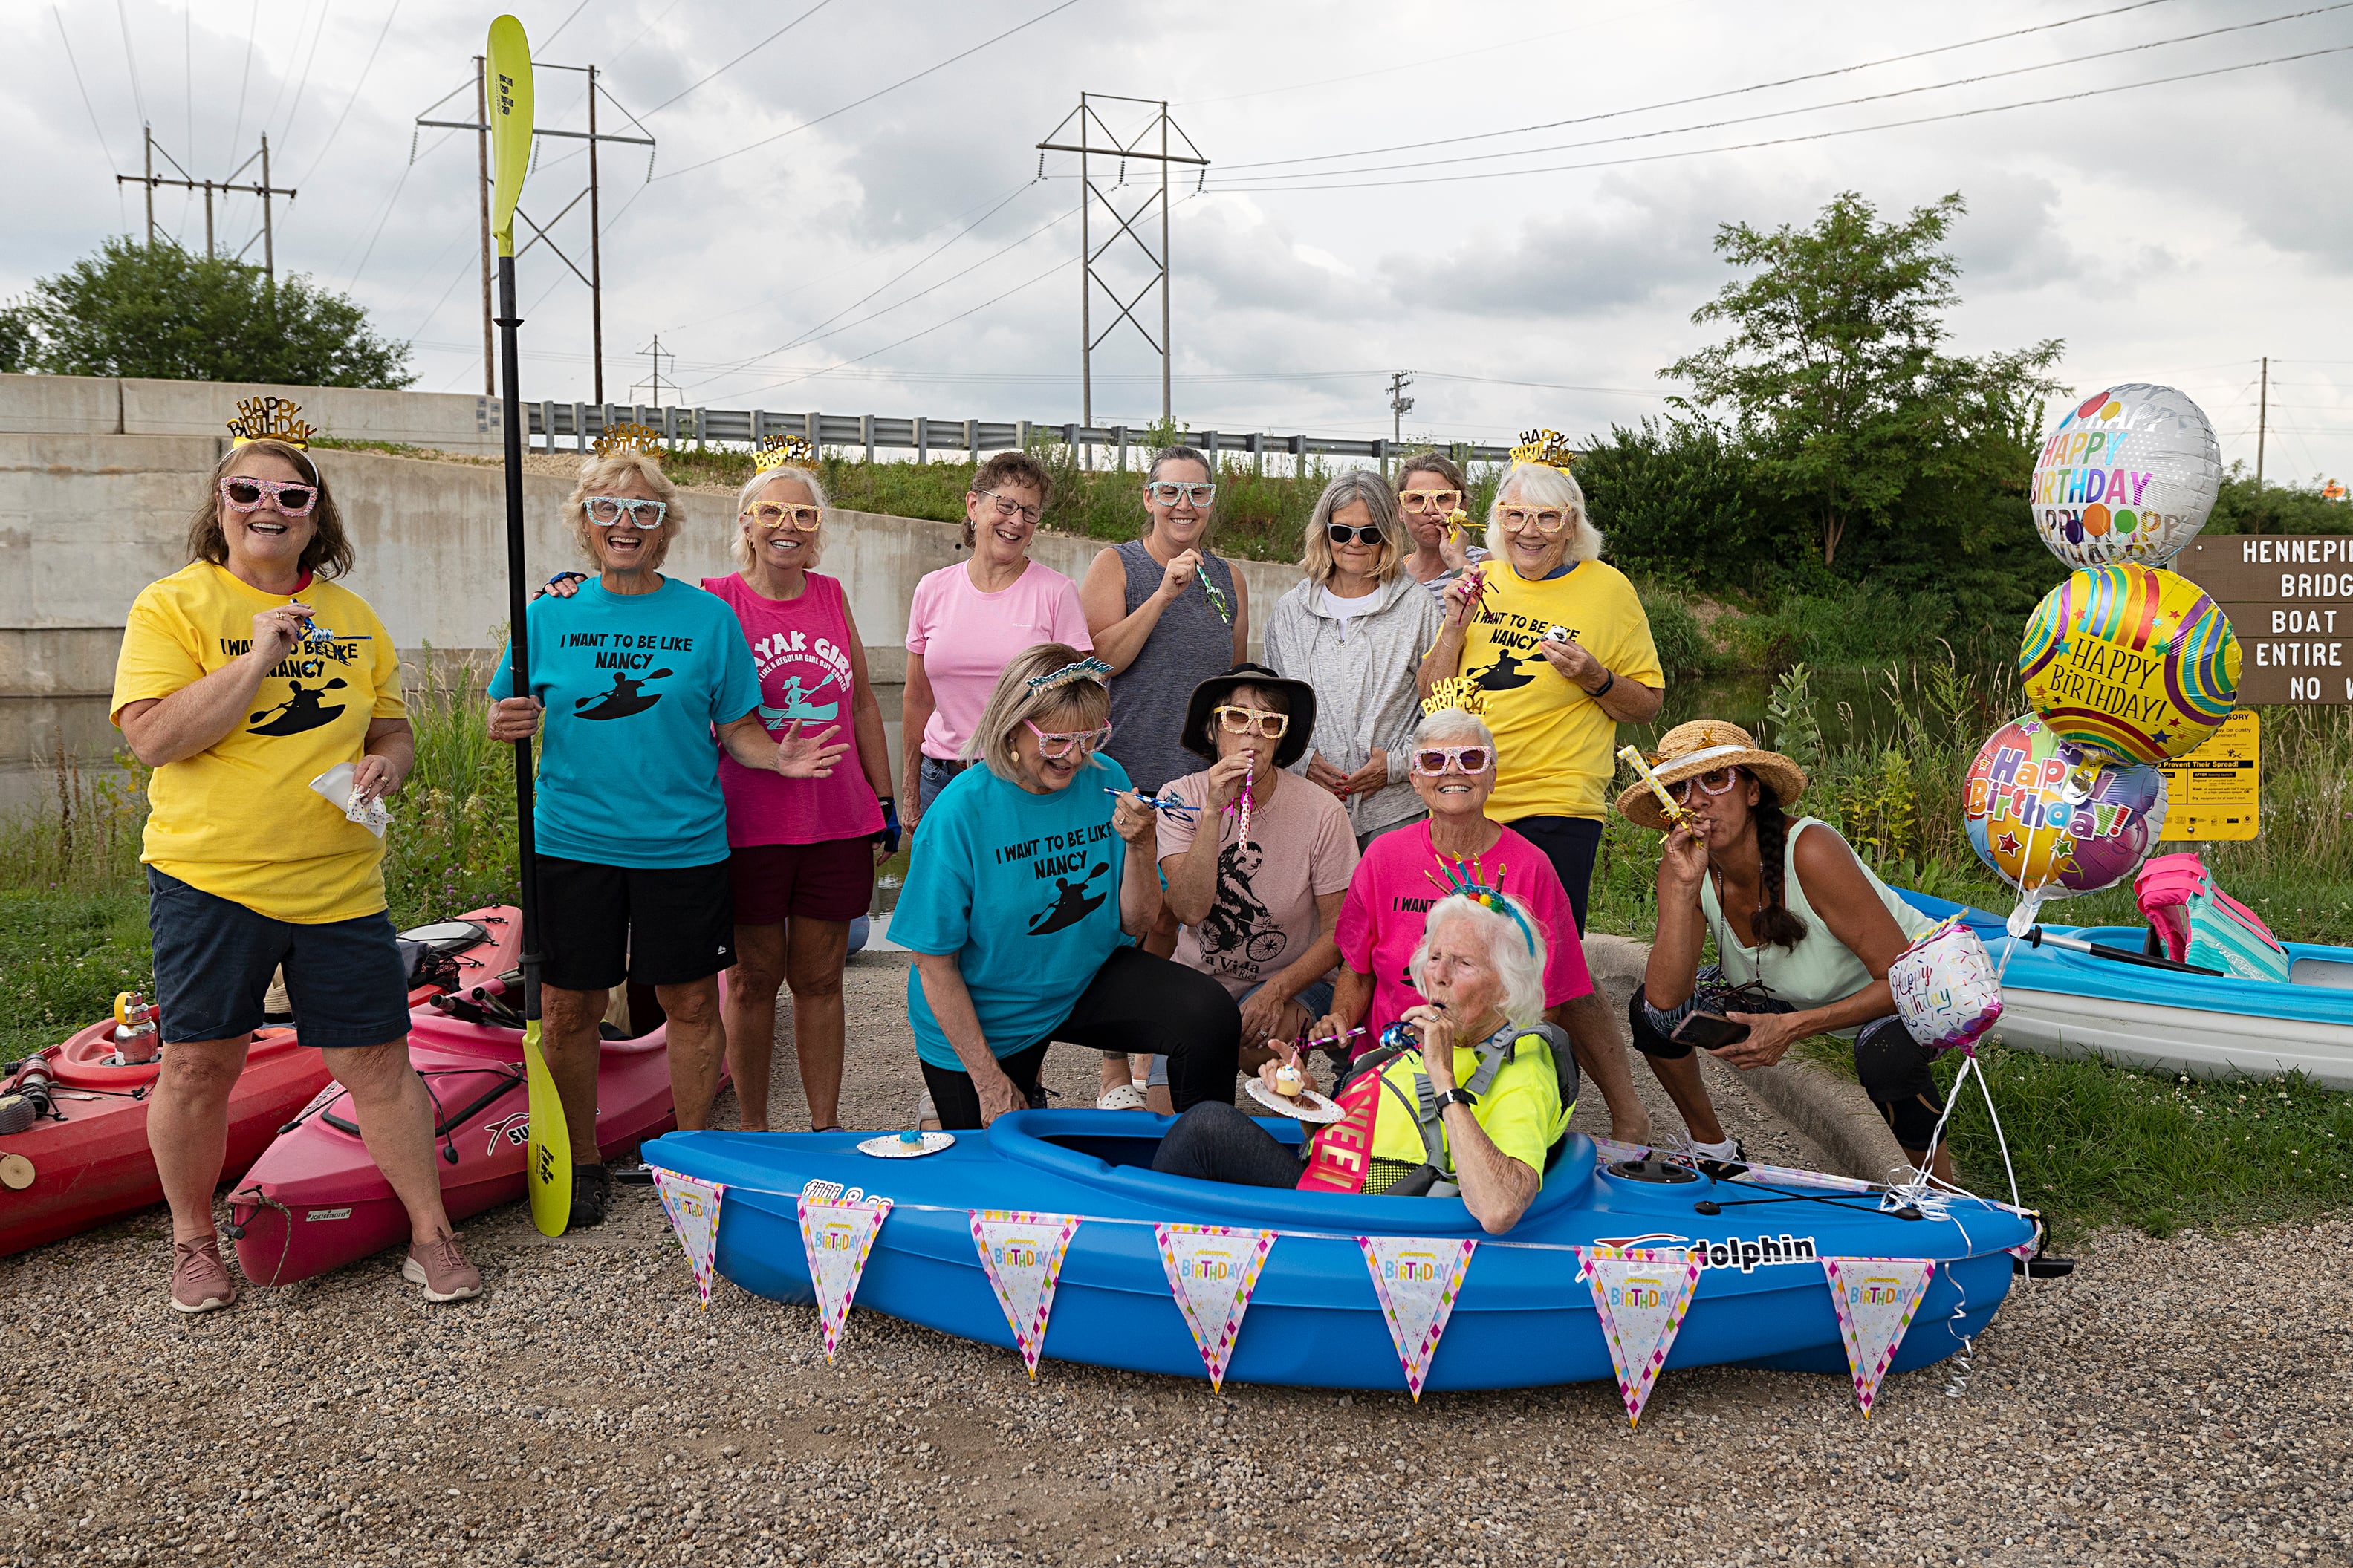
(1462,880)
(270,419)
(1088,669)
(782,452)
(1548,447)
(1455,691)
(629,438)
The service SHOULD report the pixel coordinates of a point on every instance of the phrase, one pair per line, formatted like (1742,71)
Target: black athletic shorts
(599,924)
(1570,843)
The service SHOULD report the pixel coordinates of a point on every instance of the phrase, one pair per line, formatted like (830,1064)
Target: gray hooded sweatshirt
(1363,672)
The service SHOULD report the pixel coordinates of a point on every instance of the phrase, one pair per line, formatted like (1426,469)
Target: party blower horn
(547,1174)
(1674,810)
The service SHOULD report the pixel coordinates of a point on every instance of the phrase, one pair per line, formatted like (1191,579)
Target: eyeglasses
(1059,743)
(610,511)
(1548,520)
(1009,510)
(1168,492)
(1340,532)
(1439,501)
(771,514)
(1716,783)
(1431,761)
(291,499)
(1252,720)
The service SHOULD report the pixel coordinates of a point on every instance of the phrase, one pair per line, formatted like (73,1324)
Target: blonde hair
(741,548)
(1356,485)
(1518,960)
(1542,485)
(598,474)
(1082,704)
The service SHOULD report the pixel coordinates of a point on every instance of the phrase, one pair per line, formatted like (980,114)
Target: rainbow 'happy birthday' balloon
(2050,820)
(2131,662)
(2130,474)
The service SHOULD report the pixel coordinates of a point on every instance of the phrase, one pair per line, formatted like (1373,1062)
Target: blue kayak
(2062,1004)
(1524,1317)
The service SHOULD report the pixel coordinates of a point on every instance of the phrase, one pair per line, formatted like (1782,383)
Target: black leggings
(1893,1066)
(1216,1143)
(1135,1002)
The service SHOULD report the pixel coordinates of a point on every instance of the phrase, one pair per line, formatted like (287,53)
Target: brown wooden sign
(2290,600)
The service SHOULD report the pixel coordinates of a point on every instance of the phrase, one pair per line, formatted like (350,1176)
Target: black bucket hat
(1212,692)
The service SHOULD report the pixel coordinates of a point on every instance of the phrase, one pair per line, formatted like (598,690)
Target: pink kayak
(315,1200)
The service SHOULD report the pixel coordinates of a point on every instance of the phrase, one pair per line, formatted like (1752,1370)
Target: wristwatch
(1456,1096)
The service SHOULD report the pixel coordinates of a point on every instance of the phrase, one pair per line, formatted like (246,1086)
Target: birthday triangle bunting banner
(693,1210)
(1023,1255)
(1642,1298)
(1212,1270)
(1418,1281)
(836,1239)
(1875,1297)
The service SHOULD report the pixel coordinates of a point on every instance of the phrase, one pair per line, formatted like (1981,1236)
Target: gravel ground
(2170,1404)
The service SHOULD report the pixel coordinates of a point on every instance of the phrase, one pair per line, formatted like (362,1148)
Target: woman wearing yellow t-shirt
(243,677)
(1558,643)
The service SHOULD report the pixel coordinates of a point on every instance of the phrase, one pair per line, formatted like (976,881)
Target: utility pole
(2263,418)
(265,190)
(655,352)
(1399,404)
(594,276)
(1097,143)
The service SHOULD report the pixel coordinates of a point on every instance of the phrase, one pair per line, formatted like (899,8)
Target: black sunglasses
(1340,533)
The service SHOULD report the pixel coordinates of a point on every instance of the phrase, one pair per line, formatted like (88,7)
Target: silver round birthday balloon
(2129,474)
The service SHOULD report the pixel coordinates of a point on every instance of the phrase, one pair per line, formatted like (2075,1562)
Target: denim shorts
(213,958)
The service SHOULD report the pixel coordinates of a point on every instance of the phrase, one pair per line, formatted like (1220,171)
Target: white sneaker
(927,1115)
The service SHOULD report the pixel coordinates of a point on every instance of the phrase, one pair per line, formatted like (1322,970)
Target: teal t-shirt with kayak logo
(633,684)
(1023,890)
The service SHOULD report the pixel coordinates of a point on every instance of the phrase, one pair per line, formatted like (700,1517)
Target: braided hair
(1774,921)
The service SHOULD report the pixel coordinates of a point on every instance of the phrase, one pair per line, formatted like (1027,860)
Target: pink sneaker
(199,1278)
(443,1270)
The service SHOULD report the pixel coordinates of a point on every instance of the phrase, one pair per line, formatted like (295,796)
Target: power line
(1417,63)
(131,59)
(1809,136)
(294,109)
(354,97)
(871,97)
(561,25)
(1813,108)
(746,55)
(252,31)
(75,65)
(1707,96)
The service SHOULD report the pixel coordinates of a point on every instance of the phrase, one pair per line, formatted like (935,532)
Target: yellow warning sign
(2216,792)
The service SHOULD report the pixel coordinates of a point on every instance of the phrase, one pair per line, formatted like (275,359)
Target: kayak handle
(2037,937)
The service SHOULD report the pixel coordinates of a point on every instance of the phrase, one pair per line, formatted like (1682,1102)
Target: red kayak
(315,1200)
(83,1159)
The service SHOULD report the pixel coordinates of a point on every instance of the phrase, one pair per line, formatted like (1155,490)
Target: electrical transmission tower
(265,190)
(1399,404)
(1096,146)
(658,353)
(594,276)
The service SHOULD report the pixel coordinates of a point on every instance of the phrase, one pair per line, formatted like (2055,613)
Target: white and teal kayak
(2069,1003)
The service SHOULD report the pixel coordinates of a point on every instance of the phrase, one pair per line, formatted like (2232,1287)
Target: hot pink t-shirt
(801,650)
(1380,923)
(966,638)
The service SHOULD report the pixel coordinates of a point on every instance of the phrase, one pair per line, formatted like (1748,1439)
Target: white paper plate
(894,1146)
(1308,1106)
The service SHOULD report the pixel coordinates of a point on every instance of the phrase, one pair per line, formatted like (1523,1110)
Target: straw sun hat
(1702,746)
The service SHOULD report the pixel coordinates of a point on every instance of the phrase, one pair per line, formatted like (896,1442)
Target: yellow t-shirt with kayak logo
(1556,749)
(239,819)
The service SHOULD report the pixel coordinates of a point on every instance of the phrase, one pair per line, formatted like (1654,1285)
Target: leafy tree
(15,341)
(1676,502)
(2244,507)
(1834,376)
(156,310)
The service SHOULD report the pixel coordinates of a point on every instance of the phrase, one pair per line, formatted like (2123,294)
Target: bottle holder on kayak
(1662,1173)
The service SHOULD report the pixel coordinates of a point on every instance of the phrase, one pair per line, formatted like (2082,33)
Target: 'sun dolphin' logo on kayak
(514,1128)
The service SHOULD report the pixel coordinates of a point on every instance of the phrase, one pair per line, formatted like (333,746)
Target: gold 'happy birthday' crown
(271,418)
(1458,691)
(1549,447)
(782,452)
(629,438)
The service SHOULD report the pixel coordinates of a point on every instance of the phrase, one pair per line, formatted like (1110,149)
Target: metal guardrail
(582,423)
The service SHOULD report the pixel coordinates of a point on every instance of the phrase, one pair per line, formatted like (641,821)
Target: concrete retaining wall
(94,406)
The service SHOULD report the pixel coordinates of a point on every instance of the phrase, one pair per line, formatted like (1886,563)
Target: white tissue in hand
(335,784)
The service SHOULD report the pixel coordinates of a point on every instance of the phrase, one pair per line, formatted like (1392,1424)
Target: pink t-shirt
(1380,923)
(966,638)
(800,648)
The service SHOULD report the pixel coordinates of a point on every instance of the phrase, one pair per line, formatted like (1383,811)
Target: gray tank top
(1190,644)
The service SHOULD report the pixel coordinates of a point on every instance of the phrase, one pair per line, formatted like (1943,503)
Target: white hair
(742,547)
(1518,958)
(1448,723)
(1542,485)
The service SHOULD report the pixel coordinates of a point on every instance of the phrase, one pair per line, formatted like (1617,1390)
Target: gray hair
(742,547)
(1086,701)
(1450,723)
(1518,957)
(1346,489)
(1542,485)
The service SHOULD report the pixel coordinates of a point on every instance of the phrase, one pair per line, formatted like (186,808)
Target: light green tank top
(1820,969)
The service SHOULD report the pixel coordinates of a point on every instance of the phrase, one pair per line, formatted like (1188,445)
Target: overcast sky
(2169,232)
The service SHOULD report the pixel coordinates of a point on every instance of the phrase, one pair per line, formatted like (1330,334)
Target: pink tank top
(801,650)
